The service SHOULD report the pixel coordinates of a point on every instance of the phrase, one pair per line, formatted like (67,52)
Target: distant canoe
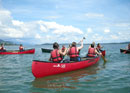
(125,51)
(46,50)
(7,52)
(43,68)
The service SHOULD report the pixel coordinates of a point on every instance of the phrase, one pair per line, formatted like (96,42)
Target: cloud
(89,30)
(94,15)
(114,37)
(40,31)
(122,24)
(107,30)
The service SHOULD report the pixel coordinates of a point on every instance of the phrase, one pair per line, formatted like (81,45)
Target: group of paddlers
(73,52)
(2,48)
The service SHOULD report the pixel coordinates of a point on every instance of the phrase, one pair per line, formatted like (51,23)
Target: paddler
(73,51)
(21,48)
(56,54)
(129,46)
(2,49)
(99,47)
(63,48)
(92,51)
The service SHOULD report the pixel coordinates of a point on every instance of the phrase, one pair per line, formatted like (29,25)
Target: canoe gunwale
(68,62)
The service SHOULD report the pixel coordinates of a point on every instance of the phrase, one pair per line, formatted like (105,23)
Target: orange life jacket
(91,52)
(73,52)
(56,57)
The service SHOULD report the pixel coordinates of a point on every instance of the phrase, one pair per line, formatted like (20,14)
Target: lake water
(110,77)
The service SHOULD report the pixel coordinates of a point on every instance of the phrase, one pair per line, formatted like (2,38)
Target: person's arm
(50,58)
(97,52)
(63,53)
(78,48)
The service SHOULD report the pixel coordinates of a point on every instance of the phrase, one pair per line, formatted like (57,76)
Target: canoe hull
(125,51)
(42,69)
(29,51)
(46,50)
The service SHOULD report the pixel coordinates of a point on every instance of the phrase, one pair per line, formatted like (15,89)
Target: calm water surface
(110,77)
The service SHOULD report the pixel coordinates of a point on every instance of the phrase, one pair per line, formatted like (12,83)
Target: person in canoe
(129,46)
(2,49)
(92,51)
(56,54)
(63,48)
(21,48)
(99,47)
(73,51)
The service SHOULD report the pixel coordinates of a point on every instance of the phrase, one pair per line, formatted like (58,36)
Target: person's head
(55,45)
(98,44)
(21,45)
(2,44)
(73,44)
(92,45)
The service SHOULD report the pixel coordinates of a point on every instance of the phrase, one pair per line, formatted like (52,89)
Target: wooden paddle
(103,58)
(101,55)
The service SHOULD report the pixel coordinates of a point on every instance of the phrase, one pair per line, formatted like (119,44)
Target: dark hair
(73,44)
(20,44)
(98,44)
(92,45)
(2,44)
(55,45)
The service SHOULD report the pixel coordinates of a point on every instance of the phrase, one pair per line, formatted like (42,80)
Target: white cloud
(38,30)
(89,30)
(17,23)
(114,37)
(42,28)
(94,15)
(107,30)
(122,24)
(37,36)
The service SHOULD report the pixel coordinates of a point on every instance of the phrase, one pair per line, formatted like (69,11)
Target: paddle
(101,55)
(103,58)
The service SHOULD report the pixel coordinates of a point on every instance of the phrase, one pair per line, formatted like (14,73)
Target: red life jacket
(20,48)
(56,57)
(91,52)
(99,47)
(63,49)
(73,52)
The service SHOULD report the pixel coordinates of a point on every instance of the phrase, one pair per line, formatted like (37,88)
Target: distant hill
(6,42)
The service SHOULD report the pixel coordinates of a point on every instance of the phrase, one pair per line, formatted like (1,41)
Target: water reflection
(67,80)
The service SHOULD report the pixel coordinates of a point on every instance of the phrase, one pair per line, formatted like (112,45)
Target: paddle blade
(104,58)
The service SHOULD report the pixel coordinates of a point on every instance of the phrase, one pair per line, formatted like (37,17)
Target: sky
(65,21)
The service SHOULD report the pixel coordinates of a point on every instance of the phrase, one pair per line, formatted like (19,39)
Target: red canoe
(103,52)
(29,51)
(42,68)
